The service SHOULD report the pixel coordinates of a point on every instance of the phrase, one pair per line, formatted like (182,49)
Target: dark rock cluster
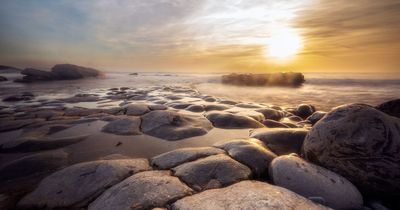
(292,79)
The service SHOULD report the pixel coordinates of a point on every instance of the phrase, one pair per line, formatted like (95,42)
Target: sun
(284,44)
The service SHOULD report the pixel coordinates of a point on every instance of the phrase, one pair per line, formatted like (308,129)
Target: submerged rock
(228,120)
(137,109)
(271,114)
(127,126)
(76,185)
(176,157)
(171,125)
(274,124)
(211,172)
(2,79)
(246,195)
(250,152)
(361,144)
(281,141)
(144,190)
(309,180)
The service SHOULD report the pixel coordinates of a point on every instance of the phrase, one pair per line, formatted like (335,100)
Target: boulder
(36,74)
(304,110)
(246,195)
(137,109)
(316,116)
(69,71)
(157,107)
(274,124)
(291,79)
(390,107)
(195,108)
(281,141)
(360,143)
(250,152)
(171,125)
(213,107)
(76,185)
(176,157)
(211,172)
(80,111)
(2,79)
(309,180)
(228,120)
(144,190)
(9,125)
(271,114)
(126,126)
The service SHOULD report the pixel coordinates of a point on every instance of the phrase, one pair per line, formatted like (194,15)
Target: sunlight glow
(284,44)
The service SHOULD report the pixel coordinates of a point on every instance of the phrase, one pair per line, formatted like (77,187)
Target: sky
(203,35)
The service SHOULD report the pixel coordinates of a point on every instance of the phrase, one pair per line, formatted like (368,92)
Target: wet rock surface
(59,190)
(171,125)
(128,126)
(281,141)
(246,195)
(309,180)
(390,107)
(359,143)
(176,157)
(228,120)
(211,172)
(143,190)
(250,152)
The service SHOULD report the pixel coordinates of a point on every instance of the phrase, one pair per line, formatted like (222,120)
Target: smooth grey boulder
(228,120)
(309,180)
(69,71)
(36,74)
(304,110)
(390,107)
(250,152)
(137,109)
(246,195)
(274,124)
(213,107)
(281,141)
(360,143)
(76,185)
(316,116)
(211,172)
(171,125)
(144,190)
(195,108)
(127,126)
(271,114)
(176,157)
(24,173)
(157,107)
(32,144)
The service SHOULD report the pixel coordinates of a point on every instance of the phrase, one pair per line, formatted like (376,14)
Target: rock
(143,190)
(176,157)
(170,125)
(114,110)
(2,79)
(38,75)
(32,144)
(250,152)
(22,174)
(82,98)
(271,114)
(180,105)
(157,107)
(195,108)
(79,111)
(309,180)
(227,120)
(128,126)
(211,172)
(210,99)
(229,102)
(137,109)
(295,118)
(316,116)
(304,110)
(212,107)
(281,141)
(360,143)
(274,124)
(69,71)
(8,125)
(246,195)
(291,79)
(19,97)
(248,105)
(76,185)
(390,107)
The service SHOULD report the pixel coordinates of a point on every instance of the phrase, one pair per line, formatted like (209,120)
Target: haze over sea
(323,90)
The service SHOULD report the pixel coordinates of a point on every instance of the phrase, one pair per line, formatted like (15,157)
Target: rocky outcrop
(390,107)
(360,143)
(246,195)
(145,190)
(292,79)
(59,190)
(312,181)
(211,172)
